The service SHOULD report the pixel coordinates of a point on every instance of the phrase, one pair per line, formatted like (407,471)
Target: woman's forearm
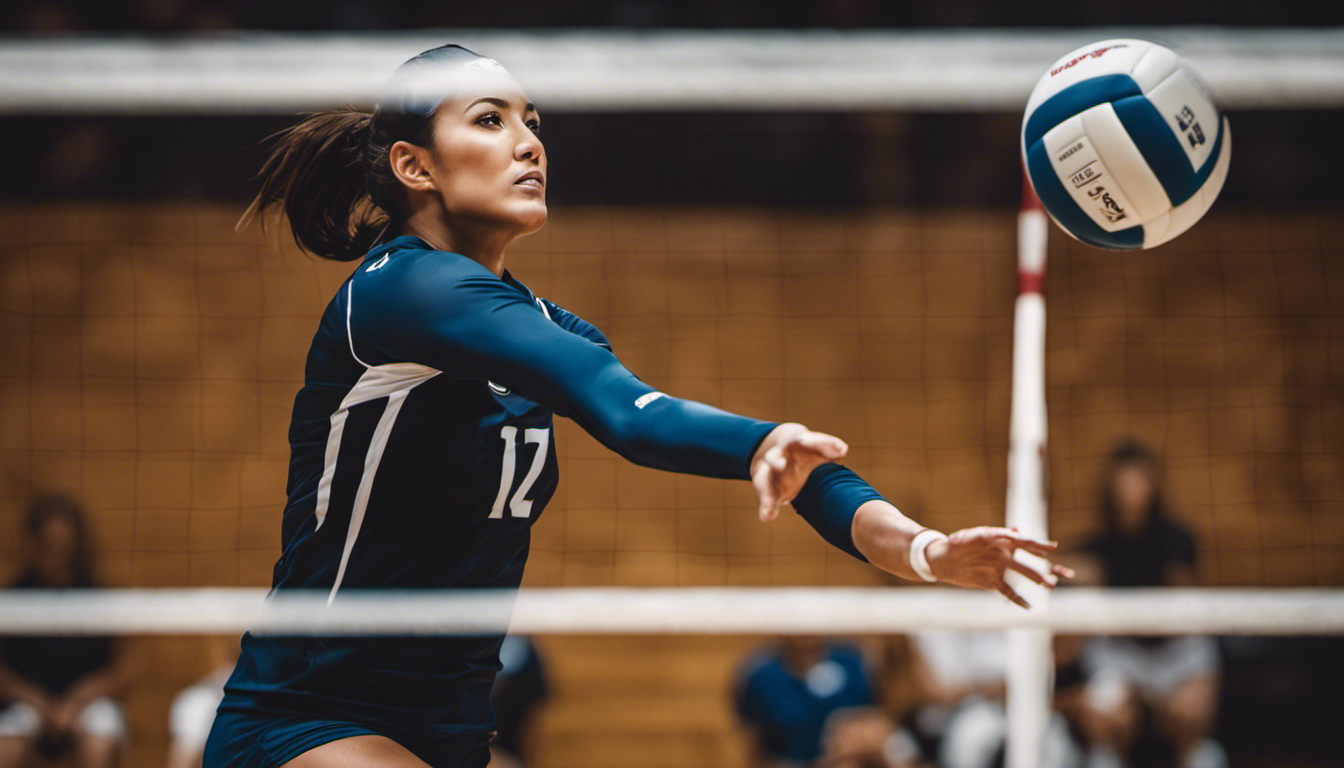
(847,512)
(883,535)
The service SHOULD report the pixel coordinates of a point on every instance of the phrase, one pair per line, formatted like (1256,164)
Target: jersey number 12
(519,506)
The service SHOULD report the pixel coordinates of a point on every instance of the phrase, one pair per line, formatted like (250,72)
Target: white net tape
(970,70)
(829,611)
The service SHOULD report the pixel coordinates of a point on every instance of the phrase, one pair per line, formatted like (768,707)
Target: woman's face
(488,164)
(1132,487)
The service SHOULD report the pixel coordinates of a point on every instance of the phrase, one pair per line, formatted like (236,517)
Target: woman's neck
(483,243)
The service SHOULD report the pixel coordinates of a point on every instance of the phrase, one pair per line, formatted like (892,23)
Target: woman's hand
(980,557)
(784,460)
(974,557)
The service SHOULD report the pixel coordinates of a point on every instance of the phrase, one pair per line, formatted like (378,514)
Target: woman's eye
(535,125)
(489,119)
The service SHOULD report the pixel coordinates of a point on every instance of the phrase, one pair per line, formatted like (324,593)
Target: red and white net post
(1030,673)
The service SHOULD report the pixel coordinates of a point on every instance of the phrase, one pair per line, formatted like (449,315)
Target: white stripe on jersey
(378,381)
(349,336)
(393,381)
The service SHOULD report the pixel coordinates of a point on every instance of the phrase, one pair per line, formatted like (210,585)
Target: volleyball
(1123,144)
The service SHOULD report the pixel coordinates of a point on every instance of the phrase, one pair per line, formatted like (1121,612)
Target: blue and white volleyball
(1123,144)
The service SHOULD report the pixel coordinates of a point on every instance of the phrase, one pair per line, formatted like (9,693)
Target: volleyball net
(681,610)
(154,352)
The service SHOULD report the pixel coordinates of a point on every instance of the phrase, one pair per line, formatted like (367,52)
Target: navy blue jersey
(422,453)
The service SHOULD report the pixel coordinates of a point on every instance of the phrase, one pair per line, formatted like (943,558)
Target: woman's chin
(532,220)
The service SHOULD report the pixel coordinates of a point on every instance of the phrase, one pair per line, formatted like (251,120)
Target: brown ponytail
(331,172)
(318,173)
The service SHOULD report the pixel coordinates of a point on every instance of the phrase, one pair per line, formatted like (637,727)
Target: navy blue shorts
(252,739)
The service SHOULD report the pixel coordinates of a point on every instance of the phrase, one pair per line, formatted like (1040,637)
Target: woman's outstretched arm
(972,557)
(851,515)
(448,313)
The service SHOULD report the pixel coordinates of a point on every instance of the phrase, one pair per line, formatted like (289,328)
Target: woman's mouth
(532,179)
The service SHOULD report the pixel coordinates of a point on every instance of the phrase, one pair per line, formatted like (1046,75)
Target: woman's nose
(528,147)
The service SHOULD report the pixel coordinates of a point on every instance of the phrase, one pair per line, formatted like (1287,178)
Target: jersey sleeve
(828,501)
(468,323)
(574,324)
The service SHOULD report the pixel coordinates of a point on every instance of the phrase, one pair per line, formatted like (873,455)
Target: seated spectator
(1173,680)
(193,709)
(786,692)
(962,721)
(57,694)
(897,671)
(866,737)
(520,688)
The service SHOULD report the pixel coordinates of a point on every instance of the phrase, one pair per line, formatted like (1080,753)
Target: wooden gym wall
(152,355)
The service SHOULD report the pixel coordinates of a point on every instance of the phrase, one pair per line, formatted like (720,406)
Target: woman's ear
(410,167)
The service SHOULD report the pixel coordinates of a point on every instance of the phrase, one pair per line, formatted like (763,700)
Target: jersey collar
(412,241)
(397,243)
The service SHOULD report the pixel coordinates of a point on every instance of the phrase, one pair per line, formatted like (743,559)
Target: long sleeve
(828,501)
(447,312)
(573,323)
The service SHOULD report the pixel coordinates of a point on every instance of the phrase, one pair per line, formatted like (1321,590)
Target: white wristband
(919,562)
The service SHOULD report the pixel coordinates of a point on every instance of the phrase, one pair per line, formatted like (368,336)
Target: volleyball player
(421,439)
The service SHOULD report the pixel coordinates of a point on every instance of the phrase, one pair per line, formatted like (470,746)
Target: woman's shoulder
(410,256)
(406,274)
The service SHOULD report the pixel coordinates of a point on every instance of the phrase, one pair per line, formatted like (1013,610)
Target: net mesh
(1222,350)
(154,353)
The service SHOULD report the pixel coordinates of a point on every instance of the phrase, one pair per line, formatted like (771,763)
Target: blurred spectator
(193,709)
(866,737)
(1070,689)
(520,688)
(785,694)
(897,673)
(58,692)
(1173,681)
(962,722)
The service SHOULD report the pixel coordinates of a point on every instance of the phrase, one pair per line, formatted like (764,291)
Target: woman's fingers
(1010,593)
(767,505)
(827,446)
(1029,572)
(777,459)
(808,451)
(1018,541)
(767,482)
(1034,546)
(983,556)
(784,468)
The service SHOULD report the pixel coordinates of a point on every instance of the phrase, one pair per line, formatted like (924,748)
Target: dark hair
(330,172)
(49,507)
(1129,452)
